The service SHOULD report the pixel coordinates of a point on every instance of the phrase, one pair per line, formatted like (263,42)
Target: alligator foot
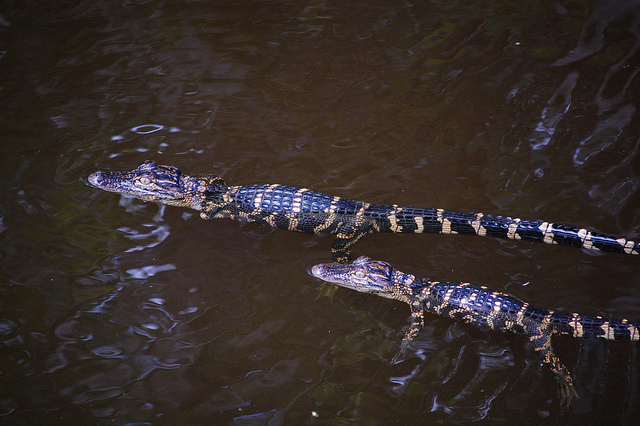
(567,393)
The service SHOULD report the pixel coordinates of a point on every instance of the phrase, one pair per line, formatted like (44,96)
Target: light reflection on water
(116,310)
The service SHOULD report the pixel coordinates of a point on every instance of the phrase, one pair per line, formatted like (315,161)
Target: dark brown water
(120,312)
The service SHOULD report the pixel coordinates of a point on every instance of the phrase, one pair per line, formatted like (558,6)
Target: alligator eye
(144,181)
(359,274)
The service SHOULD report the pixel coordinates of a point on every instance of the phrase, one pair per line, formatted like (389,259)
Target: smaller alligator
(476,305)
(303,210)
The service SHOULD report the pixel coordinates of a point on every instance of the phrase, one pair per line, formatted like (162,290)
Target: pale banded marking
(296,205)
(394,223)
(271,220)
(520,313)
(326,224)
(578,330)
(585,236)
(633,332)
(333,205)
(293,222)
(447,296)
(393,220)
(257,202)
(547,319)
(608,330)
(446,223)
(627,246)
(229,196)
(419,224)
(446,227)
(513,228)
(477,225)
(547,229)
(362,209)
(408,280)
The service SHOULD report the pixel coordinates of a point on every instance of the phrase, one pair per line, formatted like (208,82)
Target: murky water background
(114,310)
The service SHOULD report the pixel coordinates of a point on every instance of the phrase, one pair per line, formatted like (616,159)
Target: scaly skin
(303,210)
(476,305)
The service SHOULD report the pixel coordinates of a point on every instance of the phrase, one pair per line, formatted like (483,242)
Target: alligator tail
(421,220)
(595,327)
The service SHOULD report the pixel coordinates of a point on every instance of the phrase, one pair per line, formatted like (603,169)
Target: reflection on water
(120,311)
(558,106)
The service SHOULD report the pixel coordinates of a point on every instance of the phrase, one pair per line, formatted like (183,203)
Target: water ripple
(150,271)
(146,129)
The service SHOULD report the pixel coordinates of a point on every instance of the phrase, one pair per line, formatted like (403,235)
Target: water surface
(119,311)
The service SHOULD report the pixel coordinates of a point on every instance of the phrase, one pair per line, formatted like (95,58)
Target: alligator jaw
(151,182)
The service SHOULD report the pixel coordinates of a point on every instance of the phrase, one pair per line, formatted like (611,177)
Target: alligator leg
(348,234)
(542,345)
(417,322)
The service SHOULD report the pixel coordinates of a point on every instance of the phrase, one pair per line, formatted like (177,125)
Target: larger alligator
(303,210)
(476,305)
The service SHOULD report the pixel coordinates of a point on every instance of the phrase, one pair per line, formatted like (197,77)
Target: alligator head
(367,276)
(157,183)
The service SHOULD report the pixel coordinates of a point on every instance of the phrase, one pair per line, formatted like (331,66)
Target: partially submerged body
(304,210)
(476,305)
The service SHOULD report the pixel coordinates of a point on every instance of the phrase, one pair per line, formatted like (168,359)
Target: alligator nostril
(95,178)
(315,271)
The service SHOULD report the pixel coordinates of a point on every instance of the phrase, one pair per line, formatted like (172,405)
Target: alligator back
(480,306)
(284,199)
(288,207)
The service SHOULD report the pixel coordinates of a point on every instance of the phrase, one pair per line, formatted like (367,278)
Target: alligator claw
(567,393)
(402,352)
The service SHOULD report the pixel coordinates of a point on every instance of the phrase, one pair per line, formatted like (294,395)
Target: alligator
(304,210)
(476,305)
